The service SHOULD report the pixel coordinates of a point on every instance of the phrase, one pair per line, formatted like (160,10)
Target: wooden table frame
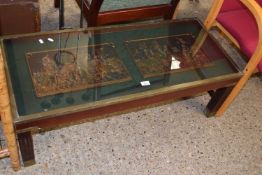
(25,127)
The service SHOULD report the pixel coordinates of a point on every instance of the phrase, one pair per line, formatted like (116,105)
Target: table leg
(217,100)
(26,148)
(57,3)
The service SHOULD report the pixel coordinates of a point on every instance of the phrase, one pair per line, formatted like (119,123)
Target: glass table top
(61,71)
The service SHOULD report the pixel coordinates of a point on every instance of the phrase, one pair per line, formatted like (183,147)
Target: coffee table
(64,77)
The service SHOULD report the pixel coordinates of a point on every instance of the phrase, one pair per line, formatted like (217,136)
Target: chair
(241,22)
(95,17)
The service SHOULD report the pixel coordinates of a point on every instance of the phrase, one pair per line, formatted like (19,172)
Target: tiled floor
(174,139)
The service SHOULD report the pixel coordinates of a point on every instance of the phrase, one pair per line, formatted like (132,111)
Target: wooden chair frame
(7,120)
(210,22)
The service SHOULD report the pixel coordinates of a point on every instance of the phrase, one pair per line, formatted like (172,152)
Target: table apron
(52,122)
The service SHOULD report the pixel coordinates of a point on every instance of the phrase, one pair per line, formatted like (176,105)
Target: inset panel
(165,55)
(72,69)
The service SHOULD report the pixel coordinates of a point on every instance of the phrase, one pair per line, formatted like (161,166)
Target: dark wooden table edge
(60,121)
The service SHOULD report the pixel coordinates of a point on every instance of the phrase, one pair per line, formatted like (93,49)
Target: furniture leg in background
(19,16)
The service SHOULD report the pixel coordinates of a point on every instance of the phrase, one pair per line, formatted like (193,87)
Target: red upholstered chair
(241,22)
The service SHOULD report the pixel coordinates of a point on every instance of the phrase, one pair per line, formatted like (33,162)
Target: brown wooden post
(26,148)
(7,118)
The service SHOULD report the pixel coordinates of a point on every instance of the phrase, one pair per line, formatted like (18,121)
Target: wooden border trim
(132,14)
